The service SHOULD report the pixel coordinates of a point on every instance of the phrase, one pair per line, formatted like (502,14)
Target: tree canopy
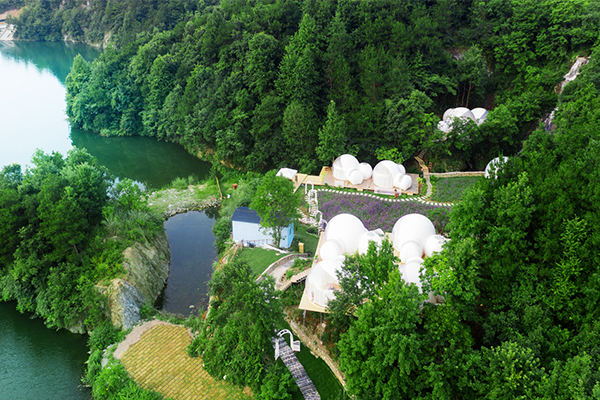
(54,221)
(251,83)
(276,203)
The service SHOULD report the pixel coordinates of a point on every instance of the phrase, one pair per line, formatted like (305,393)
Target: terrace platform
(326,178)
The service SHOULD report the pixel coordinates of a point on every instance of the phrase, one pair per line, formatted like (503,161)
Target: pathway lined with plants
(159,362)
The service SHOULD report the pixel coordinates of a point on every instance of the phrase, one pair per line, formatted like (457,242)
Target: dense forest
(98,22)
(63,228)
(262,84)
(6,5)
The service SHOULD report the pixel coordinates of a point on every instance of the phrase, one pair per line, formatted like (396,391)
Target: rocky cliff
(147,269)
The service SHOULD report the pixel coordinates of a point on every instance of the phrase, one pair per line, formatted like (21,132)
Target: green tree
(361,278)
(276,203)
(381,354)
(236,337)
(332,136)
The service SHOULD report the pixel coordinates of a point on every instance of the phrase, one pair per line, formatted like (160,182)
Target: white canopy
(287,173)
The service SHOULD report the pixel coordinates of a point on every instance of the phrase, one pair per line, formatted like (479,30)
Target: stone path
(297,370)
(158,361)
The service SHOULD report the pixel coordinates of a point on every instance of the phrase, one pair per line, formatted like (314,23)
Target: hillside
(272,83)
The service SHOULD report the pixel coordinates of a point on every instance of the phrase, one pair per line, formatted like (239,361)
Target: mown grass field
(159,362)
(259,259)
(452,189)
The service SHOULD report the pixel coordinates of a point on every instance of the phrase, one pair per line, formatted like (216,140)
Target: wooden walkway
(297,370)
(159,362)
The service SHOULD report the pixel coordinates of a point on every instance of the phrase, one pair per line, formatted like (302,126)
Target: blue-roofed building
(246,227)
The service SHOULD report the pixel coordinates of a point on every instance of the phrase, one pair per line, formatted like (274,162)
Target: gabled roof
(244,214)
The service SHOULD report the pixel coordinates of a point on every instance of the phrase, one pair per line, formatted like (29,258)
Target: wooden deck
(326,177)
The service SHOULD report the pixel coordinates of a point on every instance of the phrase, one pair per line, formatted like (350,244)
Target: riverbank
(173,201)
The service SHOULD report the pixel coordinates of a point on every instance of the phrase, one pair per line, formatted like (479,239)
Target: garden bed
(375,213)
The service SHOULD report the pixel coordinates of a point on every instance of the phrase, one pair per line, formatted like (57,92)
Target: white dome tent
(346,230)
(478,115)
(347,168)
(322,282)
(413,237)
(387,174)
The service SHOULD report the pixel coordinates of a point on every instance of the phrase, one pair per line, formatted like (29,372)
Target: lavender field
(377,213)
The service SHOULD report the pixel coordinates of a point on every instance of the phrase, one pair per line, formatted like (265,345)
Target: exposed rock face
(147,269)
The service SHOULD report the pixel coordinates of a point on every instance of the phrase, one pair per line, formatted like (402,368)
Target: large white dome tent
(388,174)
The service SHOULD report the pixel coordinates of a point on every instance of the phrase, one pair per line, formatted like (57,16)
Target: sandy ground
(136,333)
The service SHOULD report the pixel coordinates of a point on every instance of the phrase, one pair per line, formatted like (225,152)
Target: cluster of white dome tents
(413,237)
(386,174)
(477,115)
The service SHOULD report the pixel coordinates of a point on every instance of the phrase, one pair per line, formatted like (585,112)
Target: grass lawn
(310,240)
(259,259)
(318,371)
(452,189)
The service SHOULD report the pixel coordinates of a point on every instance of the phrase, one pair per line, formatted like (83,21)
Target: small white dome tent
(411,250)
(405,182)
(368,237)
(411,272)
(343,165)
(322,282)
(366,170)
(387,173)
(494,165)
(480,115)
(458,112)
(434,244)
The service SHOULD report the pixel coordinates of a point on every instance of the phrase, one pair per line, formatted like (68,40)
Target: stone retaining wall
(280,262)
(191,207)
(456,174)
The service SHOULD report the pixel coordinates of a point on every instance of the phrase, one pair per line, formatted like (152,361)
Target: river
(36,362)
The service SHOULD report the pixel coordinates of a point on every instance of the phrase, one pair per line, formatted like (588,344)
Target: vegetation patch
(308,235)
(184,195)
(452,189)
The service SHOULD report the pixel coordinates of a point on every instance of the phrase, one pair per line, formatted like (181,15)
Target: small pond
(193,253)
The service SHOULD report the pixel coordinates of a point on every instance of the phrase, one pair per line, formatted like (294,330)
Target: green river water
(36,362)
